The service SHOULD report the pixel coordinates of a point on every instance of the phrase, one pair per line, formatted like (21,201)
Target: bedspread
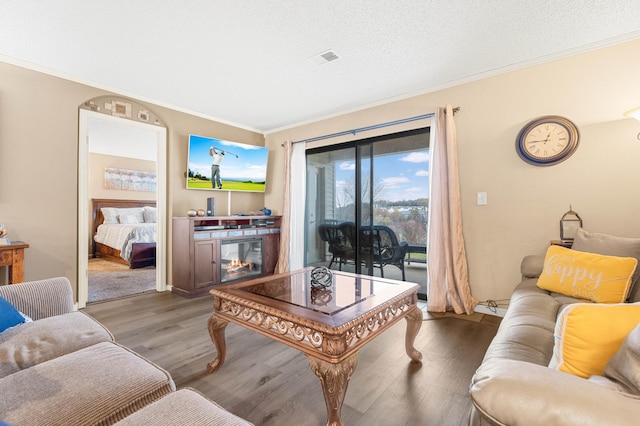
(122,237)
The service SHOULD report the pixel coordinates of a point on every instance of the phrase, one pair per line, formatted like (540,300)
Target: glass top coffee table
(329,325)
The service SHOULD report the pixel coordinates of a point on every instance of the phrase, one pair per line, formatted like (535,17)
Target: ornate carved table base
(330,342)
(334,379)
(414,322)
(216,331)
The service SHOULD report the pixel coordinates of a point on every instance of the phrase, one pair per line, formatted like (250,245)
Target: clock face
(547,140)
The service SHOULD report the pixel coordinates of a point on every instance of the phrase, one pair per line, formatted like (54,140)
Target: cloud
(392,182)
(422,172)
(239,145)
(203,169)
(347,165)
(416,157)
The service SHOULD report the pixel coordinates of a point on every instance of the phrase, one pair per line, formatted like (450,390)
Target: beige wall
(525,203)
(38,160)
(39,167)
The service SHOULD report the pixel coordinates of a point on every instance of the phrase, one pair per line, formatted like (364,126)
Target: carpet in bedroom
(110,280)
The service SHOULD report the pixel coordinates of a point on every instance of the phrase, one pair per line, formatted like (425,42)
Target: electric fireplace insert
(240,259)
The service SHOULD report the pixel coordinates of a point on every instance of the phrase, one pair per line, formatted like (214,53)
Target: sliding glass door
(367,205)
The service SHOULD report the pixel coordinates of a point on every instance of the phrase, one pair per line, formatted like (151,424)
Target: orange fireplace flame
(237,264)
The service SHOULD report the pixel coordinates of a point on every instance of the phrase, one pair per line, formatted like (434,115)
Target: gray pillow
(623,368)
(610,245)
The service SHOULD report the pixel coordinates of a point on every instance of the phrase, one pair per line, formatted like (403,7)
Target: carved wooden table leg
(334,379)
(216,331)
(414,322)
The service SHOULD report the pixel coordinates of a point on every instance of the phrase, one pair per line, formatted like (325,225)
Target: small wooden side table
(12,255)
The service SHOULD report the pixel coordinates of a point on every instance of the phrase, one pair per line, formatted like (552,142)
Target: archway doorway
(129,119)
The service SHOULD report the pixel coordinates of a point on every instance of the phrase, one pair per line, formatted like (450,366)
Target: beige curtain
(447,259)
(285,233)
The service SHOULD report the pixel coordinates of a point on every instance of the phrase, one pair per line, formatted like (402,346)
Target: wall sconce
(634,113)
(569,225)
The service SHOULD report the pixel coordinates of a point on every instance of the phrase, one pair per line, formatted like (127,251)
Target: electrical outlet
(481,199)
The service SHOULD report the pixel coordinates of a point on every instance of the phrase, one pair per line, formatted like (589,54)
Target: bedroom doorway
(149,148)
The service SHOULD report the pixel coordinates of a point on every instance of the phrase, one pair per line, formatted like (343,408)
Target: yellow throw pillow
(587,335)
(595,277)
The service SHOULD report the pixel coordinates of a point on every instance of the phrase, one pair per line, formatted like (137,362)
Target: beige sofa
(64,368)
(515,386)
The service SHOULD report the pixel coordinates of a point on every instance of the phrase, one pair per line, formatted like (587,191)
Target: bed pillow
(611,245)
(587,335)
(110,215)
(132,211)
(150,214)
(9,315)
(601,279)
(128,219)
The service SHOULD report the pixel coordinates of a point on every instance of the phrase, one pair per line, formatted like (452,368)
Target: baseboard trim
(498,312)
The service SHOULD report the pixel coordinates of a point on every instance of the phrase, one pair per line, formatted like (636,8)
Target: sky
(250,163)
(402,176)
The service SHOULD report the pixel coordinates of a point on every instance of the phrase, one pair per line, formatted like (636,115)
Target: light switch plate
(481,198)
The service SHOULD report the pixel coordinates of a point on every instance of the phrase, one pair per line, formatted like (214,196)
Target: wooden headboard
(121,204)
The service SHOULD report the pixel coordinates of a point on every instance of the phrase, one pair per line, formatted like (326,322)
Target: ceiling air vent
(324,57)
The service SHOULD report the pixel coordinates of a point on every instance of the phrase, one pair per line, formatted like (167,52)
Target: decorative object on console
(321,277)
(547,140)
(266,211)
(211,206)
(192,212)
(569,225)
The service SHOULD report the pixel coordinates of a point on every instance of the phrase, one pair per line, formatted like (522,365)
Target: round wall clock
(547,140)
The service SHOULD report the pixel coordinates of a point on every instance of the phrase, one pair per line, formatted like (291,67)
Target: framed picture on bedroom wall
(129,180)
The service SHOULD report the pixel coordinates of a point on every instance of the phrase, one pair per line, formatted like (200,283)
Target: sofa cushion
(42,298)
(587,335)
(624,367)
(9,315)
(612,246)
(531,266)
(526,331)
(595,277)
(33,343)
(100,384)
(184,407)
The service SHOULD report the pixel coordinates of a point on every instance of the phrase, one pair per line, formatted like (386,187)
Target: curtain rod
(372,127)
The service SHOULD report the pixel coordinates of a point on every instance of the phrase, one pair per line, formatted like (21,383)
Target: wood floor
(269,383)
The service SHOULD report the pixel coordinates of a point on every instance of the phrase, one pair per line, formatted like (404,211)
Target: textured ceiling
(248,62)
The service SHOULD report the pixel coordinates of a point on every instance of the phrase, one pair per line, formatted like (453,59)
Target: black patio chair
(380,247)
(339,246)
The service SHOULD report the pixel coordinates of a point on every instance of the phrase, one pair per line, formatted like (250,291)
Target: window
(380,182)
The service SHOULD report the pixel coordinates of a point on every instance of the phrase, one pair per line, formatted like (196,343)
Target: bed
(128,232)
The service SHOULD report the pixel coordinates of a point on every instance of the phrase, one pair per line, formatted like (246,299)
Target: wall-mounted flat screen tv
(218,164)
